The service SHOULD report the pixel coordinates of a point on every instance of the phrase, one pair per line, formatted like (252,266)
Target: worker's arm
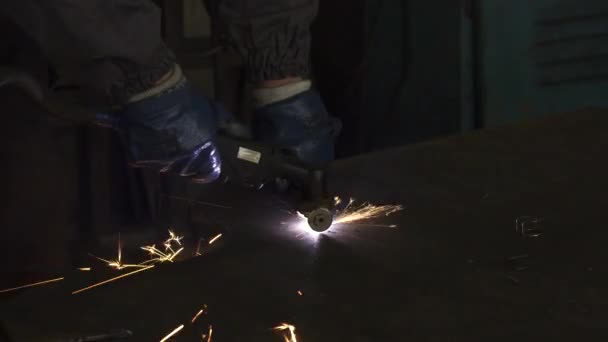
(110,55)
(110,50)
(273,37)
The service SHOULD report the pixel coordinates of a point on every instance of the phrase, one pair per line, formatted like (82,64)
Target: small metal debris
(518,257)
(513,279)
(528,226)
(518,262)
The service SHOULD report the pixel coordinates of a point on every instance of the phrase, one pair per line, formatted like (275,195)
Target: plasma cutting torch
(246,163)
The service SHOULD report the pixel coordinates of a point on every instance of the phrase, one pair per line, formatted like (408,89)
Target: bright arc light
(302,225)
(350,214)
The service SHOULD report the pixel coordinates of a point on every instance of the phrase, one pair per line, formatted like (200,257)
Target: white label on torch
(249,155)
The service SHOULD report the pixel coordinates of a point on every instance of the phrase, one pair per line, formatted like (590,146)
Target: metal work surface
(502,239)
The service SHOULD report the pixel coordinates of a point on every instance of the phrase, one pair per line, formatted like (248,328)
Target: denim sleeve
(272,36)
(107,49)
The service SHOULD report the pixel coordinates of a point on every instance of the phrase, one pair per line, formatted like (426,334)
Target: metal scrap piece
(528,226)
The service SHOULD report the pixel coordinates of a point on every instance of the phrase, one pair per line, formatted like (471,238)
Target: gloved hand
(173,130)
(300,126)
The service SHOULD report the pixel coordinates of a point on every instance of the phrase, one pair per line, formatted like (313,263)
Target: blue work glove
(300,126)
(173,130)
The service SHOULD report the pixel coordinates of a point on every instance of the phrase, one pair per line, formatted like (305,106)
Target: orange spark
(176,253)
(162,257)
(215,238)
(172,238)
(200,312)
(32,285)
(364,211)
(337,200)
(171,334)
(117,264)
(112,279)
(198,248)
(210,333)
(84,269)
(300,293)
(119,249)
(154,251)
(292,332)
(169,254)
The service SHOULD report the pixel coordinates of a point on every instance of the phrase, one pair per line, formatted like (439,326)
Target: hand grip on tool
(256,165)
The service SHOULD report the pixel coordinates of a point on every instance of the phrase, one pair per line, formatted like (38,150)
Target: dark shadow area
(502,236)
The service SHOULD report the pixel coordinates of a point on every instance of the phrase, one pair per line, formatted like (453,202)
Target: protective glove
(300,126)
(173,130)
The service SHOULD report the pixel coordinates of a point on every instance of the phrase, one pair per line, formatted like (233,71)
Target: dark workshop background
(395,71)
